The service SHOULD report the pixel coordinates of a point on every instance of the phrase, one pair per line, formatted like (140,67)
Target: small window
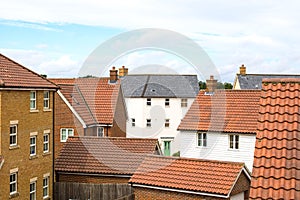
(46,143)
(202,140)
(13,135)
(234,141)
(46,100)
(100,132)
(32,100)
(33,191)
(32,145)
(148,123)
(65,133)
(184,103)
(13,183)
(167,123)
(46,187)
(148,102)
(133,122)
(167,102)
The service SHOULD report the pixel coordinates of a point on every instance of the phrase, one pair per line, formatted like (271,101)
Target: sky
(56,37)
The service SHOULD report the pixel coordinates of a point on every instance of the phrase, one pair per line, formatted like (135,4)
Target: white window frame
(46,187)
(234,141)
(46,100)
(100,132)
(148,101)
(32,192)
(148,123)
(167,123)
(133,122)
(67,133)
(201,139)
(167,102)
(184,103)
(14,182)
(46,143)
(32,145)
(33,100)
(13,134)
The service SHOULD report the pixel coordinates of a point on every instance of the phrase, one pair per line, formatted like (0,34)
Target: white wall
(239,196)
(157,112)
(218,147)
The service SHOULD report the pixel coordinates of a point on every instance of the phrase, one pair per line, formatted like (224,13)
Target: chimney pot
(242,70)
(123,71)
(211,84)
(113,75)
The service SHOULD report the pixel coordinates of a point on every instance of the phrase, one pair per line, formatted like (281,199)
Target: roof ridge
(197,159)
(111,138)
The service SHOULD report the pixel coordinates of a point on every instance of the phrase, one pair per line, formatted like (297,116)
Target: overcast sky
(55,37)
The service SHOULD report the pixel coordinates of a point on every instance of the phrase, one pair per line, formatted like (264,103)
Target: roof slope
(94,99)
(253,81)
(104,155)
(14,75)
(225,110)
(276,168)
(151,86)
(196,175)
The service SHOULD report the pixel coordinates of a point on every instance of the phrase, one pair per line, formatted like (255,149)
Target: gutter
(181,191)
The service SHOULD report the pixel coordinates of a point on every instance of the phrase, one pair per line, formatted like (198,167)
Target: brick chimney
(113,75)
(211,84)
(123,71)
(242,70)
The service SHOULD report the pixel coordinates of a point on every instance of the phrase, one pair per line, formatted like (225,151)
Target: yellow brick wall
(15,105)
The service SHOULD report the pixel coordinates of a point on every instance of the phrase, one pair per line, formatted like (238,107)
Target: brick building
(102,159)
(185,178)
(26,134)
(88,107)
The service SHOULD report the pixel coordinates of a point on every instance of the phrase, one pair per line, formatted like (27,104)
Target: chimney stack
(242,70)
(211,84)
(123,72)
(113,75)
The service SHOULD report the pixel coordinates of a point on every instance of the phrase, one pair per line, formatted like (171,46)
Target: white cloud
(263,35)
(41,63)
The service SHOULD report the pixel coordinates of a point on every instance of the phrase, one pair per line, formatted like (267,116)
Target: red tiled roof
(104,155)
(207,176)
(64,81)
(14,75)
(94,99)
(276,168)
(225,110)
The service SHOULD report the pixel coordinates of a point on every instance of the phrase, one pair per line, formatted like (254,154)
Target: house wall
(15,106)
(64,118)
(218,147)
(154,194)
(90,179)
(139,110)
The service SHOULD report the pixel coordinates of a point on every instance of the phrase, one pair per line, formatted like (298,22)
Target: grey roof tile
(172,86)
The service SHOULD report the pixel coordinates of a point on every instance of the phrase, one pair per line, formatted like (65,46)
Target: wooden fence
(85,191)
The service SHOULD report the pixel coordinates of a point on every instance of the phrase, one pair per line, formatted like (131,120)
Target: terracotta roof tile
(196,175)
(104,155)
(14,75)
(94,99)
(225,110)
(276,168)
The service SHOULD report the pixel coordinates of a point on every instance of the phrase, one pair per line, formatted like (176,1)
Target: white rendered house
(221,125)
(155,106)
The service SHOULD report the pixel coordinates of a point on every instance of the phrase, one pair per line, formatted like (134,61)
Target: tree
(220,85)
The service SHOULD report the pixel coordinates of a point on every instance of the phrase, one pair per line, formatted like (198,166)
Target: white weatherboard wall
(138,109)
(239,196)
(218,147)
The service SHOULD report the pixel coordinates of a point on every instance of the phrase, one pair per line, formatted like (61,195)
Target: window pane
(231,141)
(70,132)
(63,134)
(236,141)
(204,139)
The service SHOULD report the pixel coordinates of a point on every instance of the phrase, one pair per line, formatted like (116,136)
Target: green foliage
(177,154)
(220,85)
